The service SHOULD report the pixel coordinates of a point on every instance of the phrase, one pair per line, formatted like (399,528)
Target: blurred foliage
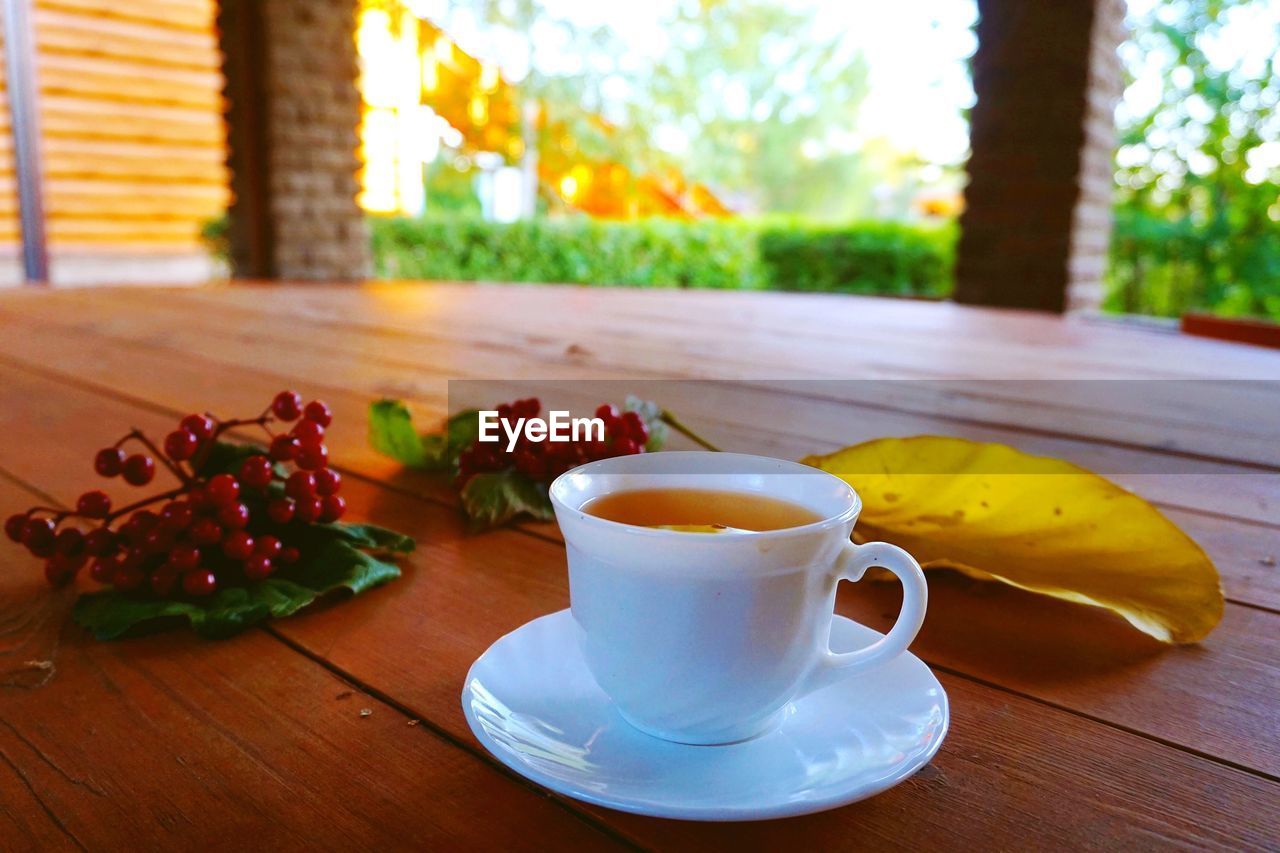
(1198,201)
(746,96)
(736,254)
(758,93)
(870,257)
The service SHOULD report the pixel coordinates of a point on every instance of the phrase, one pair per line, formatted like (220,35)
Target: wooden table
(1070,729)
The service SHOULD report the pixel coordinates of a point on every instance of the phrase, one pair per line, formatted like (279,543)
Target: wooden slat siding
(1015,772)
(251,340)
(10,231)
(243,731)
(1232,666)
(190,15)
(70,115)
(74,33)
(133,142)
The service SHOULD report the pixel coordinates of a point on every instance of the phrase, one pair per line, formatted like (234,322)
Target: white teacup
(704,638)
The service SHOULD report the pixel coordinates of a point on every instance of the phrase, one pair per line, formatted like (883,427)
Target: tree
(1198,173)
(760,100)
(745,97)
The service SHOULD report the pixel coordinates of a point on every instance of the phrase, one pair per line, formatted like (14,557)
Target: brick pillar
(293,113)
(1038,205)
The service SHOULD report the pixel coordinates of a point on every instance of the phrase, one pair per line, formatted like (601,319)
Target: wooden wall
(130,113)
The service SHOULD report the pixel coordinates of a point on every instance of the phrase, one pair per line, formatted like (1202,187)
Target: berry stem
(139,436)
(679,426)
(162,496)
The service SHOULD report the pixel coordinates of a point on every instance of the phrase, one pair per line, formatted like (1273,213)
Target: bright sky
(916,54)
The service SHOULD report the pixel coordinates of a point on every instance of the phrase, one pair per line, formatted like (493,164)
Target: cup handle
(852,563)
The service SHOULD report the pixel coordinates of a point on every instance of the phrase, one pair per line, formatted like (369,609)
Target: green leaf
(495,498)
(330,563)
(225,458)
(462,430)
(651,413)
(339,564)
(391,433)
(370,537)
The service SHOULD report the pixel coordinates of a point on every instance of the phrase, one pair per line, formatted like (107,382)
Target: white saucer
(533,704)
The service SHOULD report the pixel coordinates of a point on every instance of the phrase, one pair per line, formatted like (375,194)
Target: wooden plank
(778,426)
(74,33)
(1242,550)
(1079,659)
(790,335)
(195,15)
(153,742)
(128,81)
(63,231)
(71,114)
(1052,777)
(1167,415)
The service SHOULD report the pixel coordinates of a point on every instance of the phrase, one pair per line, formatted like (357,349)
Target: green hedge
(859,258)
(871,257)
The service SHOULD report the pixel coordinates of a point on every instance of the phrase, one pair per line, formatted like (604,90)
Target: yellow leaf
(1036,523)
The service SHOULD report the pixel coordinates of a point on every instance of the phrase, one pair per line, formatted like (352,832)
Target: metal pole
(19,54)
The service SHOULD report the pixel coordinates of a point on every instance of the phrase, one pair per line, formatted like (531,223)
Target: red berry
(625,446)
(328,482)
(206,531)
(288,554)
(238,545)
(287,405)
(222,489)
(199,583)
(313,458)
(607,412)
(56,572)
(14,526)
(38,536)
(530,463)
(258,567)
(256,472)
(180,444)
(636,427)
(102,569)
(201,426)
(139,469)
(184,557)
(284,448)
(177,515)
(332,508)
(308,510)
(127,577)
(301,484)
(100,542)
(69,542)
(158,540)
(94,504)
(163,580)
(317,412)
(280,510)
(308,433)
(234,516)
(109,462)
(268,546)
(133,558)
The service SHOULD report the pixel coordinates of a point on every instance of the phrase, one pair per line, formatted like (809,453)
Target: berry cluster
(626,434)
(211,529)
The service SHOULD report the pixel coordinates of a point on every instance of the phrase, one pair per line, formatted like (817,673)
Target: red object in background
(1257,332)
